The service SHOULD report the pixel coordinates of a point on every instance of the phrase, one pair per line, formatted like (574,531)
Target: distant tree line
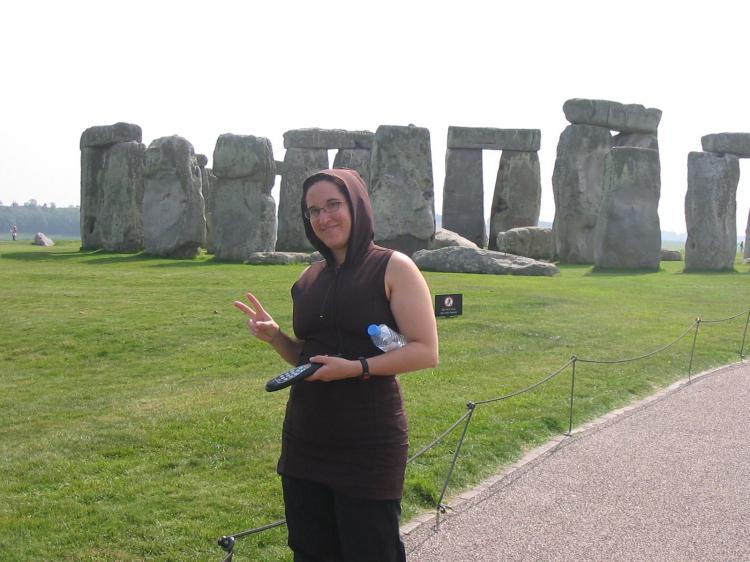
(31,218)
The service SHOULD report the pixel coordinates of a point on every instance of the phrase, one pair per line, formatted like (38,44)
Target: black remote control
(291,376)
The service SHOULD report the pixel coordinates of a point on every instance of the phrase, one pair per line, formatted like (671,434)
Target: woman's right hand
(260,323)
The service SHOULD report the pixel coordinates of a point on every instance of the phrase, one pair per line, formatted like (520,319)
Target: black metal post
(572,389)
(440,506)
(692,351)
(744,334)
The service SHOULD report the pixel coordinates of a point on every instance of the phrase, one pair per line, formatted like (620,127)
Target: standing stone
(208,185)
(94,143)
(710,211)
(628,235)
(120,215)
(577,185)
(355,158)
(745,249)
(92,168)
(638,140)
(402,188)
(463,194)
(299,164)
(244,215)
(202,161)
(517,198)
(174,223)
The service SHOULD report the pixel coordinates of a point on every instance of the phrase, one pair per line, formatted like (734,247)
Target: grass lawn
(134,424)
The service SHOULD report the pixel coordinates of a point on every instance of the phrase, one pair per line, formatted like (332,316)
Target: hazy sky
(200,69)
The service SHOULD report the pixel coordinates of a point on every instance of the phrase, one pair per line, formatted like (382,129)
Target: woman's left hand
(334,369)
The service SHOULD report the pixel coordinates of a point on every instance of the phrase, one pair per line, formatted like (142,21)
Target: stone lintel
(487,138)
(107,135)
(631,118)
(327,138)
(727,143)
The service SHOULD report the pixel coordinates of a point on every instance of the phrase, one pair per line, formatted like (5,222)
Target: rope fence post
(692,351)
(573,360)
(440,506)
(744,335)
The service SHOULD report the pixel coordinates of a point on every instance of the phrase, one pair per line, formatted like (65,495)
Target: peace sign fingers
(261,324)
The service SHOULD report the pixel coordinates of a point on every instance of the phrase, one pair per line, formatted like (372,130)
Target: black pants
(326,526)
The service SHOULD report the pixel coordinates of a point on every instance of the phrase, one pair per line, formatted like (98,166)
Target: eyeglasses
(331,206)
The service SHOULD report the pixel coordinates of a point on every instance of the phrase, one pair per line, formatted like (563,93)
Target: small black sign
(449,305)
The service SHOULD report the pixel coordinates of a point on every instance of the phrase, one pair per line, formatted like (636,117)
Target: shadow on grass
(47,256)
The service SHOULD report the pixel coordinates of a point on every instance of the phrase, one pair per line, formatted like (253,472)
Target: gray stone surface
(277,258)
(463,194)
(665,480)
(245,156)
(41,239)
(202,160)
(457,259)
(631,118)
(92,168)
(244,212)
(208,184)
(730,143)
(362,139)
(577,183)
(517,197)
(445,238)
(355,158)
(319,138)
(670,255)
(107,135)
(746,249)
(529,241)
(524,140)
(638,140)
(244,219)
(628,234)
(402,188)
(174,223)
(120,213)
(299,164)
(710,211)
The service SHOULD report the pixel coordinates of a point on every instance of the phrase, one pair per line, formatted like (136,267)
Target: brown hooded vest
(349,434)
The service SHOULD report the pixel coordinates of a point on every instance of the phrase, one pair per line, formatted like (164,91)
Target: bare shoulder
(401,264)
(402,273)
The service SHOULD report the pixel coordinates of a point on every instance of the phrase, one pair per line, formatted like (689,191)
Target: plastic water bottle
(385,338)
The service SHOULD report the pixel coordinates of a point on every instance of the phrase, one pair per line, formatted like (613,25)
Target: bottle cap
(373,330)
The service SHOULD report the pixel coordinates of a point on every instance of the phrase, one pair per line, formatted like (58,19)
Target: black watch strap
(365,369)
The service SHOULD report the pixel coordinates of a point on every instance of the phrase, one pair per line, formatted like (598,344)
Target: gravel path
(666,479)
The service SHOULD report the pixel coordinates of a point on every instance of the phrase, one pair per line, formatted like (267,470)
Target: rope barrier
(614,361)
(440,438)
(527,389)
(227,542)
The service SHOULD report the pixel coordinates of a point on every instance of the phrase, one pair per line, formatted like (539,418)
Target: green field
(134,424)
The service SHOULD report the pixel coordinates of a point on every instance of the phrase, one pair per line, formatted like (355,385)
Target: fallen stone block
(458,259)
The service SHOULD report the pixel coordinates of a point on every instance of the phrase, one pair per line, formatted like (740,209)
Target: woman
(344,444)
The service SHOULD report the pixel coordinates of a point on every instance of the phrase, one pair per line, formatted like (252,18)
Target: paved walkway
(665,479)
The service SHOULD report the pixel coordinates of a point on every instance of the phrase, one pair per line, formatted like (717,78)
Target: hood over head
(355,193)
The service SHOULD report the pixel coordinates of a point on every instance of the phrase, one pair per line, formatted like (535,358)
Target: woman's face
(332,225)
